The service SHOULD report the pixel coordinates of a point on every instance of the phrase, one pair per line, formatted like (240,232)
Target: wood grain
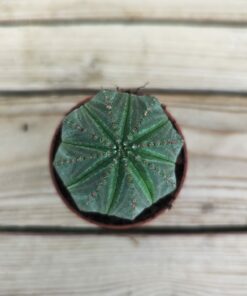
(215,191)
(92,56)
(188,10)
(120,266)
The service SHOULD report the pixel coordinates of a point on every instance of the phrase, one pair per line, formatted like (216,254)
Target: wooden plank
(215,191)
(92,56)
(119,265)
(192,10)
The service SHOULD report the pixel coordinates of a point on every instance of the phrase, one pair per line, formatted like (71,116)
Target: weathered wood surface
(119,266)
(92,56)
(179,45)
(215,190)
(188,10)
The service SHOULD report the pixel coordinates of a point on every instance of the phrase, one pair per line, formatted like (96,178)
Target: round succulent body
(117,154)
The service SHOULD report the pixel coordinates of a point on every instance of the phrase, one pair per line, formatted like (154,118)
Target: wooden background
(193,54)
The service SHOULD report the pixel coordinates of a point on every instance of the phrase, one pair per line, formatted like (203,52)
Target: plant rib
(150,132)
(154,156)
(117,186)
(106,161)
(120,169)
(125,129)
(139,174)
(99,124)
(80,145)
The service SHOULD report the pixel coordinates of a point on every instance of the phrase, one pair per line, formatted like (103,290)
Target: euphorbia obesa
(117,154)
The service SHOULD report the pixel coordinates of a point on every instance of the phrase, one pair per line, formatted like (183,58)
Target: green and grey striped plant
(117,155)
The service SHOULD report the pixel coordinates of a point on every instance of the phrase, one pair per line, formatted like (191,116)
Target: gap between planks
(211,11)
(32,94)
(107,22)
(137,231)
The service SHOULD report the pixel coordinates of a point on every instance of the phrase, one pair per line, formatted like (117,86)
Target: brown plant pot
(110,221)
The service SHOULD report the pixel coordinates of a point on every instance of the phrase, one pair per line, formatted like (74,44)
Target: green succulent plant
(117,154)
